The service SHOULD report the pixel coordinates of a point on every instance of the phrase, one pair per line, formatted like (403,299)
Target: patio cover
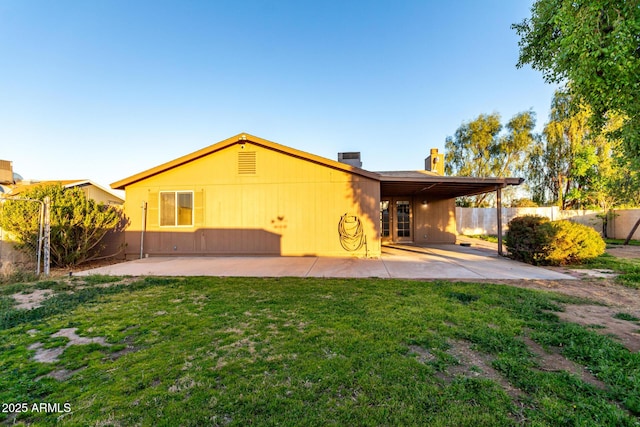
(438,187)
(431,187)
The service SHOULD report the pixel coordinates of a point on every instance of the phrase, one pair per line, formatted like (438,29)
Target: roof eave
(453,179)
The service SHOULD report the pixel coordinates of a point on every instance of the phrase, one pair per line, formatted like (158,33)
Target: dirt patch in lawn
(472,364)
(33,299)
(553,361)
(614,297)
(598,286)
(625,331)
(50,355)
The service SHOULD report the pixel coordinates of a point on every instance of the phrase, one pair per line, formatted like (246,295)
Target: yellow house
(249,196)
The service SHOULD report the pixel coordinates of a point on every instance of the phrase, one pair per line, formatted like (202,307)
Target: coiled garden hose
(352,235)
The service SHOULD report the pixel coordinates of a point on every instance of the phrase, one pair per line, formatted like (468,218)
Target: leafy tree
(481,148)
(78,223)
(21,220)
(574,166)
(594,47)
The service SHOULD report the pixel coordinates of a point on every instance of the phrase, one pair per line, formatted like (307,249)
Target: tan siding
(290,206)
(434,222)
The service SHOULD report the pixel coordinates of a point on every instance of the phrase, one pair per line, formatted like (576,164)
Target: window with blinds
(176,208)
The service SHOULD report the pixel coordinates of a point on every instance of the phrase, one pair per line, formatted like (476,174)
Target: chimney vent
(435,162)
(350,158)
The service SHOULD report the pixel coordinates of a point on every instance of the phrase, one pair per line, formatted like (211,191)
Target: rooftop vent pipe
(350,158)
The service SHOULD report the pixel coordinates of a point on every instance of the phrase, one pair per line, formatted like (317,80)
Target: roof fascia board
(455,179)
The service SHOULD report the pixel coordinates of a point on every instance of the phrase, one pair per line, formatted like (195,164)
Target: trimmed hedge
(538,241)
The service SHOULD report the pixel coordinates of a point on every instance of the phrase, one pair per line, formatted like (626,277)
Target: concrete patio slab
(471,263)
(402,262)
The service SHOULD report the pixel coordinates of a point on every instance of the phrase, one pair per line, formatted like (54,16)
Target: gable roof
(66,183)
(239,139)
(392,183)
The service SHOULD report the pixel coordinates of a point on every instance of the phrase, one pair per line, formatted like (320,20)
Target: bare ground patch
(474,364)
(470,364)
(423,355)
(130,347)
(33,299)
(61,374)
(624,330)
(614,297)
(50,355)
(553,361)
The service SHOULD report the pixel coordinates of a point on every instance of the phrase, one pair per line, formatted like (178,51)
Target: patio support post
(499,218)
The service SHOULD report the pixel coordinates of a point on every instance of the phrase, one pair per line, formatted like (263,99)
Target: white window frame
(175,198)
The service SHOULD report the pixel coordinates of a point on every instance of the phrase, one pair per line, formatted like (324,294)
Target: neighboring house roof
(238,139)
(66,183)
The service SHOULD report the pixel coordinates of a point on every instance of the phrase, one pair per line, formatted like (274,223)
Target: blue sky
(103,89)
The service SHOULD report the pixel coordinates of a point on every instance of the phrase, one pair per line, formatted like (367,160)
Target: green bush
(527,238)
(573,243)
(538,241)
(78,223)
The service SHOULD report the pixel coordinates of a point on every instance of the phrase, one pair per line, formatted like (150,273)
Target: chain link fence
(22,251)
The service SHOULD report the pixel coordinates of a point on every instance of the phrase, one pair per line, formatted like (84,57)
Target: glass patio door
(403,221)
(395,220)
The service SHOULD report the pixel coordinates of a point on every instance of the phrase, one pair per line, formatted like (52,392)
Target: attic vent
(247,163)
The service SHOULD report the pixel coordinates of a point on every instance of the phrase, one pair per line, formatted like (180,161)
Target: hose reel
(351,233)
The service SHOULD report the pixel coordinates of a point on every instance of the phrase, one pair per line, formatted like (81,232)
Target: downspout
(144,226)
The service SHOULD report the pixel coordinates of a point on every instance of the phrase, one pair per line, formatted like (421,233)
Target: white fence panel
(472,221)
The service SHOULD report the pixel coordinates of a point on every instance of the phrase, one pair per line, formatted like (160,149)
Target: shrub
(538,241)
(78,223)
(527,238)
(573,243)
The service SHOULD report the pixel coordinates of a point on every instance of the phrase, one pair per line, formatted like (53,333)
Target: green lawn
(621,241)
(240,351)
